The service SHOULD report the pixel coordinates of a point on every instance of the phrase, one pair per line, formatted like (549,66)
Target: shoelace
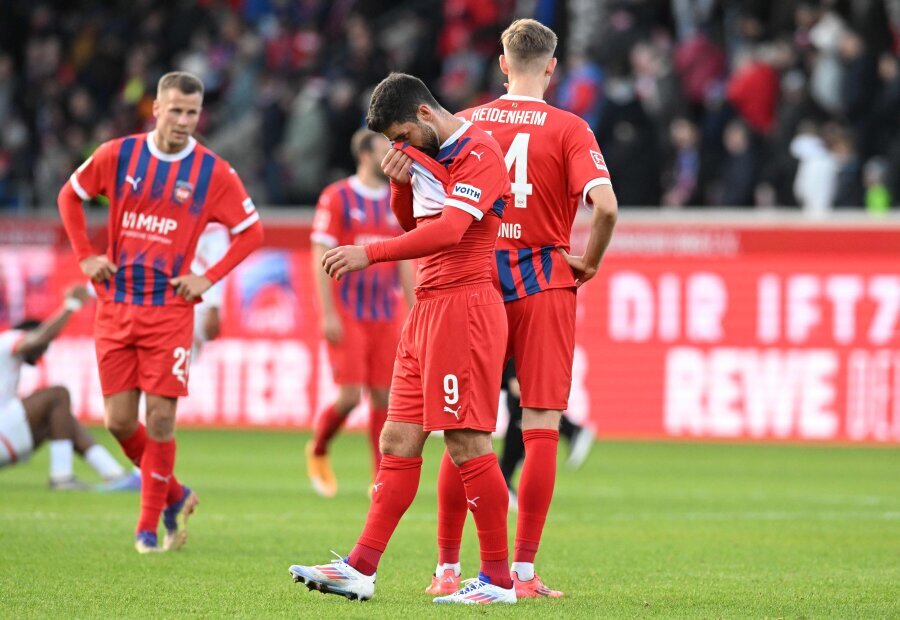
(470,585)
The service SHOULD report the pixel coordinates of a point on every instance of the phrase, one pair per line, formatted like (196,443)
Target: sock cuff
(477,466)
(540,433)
(389,461)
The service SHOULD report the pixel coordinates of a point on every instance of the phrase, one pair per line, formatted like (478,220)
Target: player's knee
(396,442)
(348,399)
(540,419)
(60,396)
(379,398)
(464,445)
(120,428)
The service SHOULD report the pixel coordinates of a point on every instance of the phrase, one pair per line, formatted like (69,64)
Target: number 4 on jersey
(517,156)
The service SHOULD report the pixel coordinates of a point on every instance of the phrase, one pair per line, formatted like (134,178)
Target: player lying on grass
(46,414)
(450,358)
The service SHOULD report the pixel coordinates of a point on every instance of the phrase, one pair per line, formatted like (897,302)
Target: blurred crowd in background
(695,103)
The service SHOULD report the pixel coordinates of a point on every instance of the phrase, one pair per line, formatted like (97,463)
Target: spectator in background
(848,190)
(581,91)
(814,185)
(878,196)
(684,185)
(753,89)
(740,170)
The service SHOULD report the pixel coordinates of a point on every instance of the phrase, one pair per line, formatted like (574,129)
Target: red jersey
(473,178)
(553,161)
(349,213)
(159,205)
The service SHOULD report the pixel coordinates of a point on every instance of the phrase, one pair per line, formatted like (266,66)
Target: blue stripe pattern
(203,179)
(140,171)
(507,284)
(159,179)
(120,279)
(345,289)
(184,170)
(499,206)
(361,208)
(360,293)
(373,297)
(138,280)
(122,164)
(446,154)
(160,281)
(529,277)
(176,268)
(547,261)
(345,202)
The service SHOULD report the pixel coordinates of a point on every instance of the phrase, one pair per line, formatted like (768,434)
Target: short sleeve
(584,161)
(231,204)
(326,227)
(477,182)
(92,178)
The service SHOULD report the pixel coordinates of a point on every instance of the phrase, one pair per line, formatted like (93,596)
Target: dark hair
(363,141)
(27,325)
(183,81)
(396,99)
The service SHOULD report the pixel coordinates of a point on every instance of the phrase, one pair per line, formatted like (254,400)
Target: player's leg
(395,485)
(394,490)
(378,402)
(50,418)
(451,518)
(513,447)
(18,433)
(318,465)
(545,334)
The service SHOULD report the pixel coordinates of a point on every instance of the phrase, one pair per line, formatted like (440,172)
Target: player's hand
(190,286)
(583,271)
(79,292)
(396,165)
(212,326)
(98,268)
(332,328)
(344,259)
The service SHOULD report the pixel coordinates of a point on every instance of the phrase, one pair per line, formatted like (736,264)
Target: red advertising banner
(744,331)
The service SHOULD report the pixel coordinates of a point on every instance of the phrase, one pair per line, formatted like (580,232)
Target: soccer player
(554,164)
(46,414)
(450,357)
(360,321)
(211,248)
(163,187)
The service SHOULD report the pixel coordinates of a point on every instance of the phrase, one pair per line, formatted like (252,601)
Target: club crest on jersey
(182,192)
(598,160)
(468,191)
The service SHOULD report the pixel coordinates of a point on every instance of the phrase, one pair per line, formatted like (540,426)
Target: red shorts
(365,355)
(542,344)
(144,347)
(450,360)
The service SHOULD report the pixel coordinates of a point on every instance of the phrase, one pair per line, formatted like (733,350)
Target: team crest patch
(182,192)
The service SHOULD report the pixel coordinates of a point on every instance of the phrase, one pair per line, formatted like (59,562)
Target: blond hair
(527,41)
(187,83)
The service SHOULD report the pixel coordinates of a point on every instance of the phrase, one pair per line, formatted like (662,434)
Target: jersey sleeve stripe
(250,221)
(452,202)
(77,187)
(324,239)
(591,185)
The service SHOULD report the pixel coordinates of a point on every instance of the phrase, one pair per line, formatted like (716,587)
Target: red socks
(395,488)
(452,510)
(488,500)
(535,490)
(156,475)
(330,422)
(377,418)
(133,447)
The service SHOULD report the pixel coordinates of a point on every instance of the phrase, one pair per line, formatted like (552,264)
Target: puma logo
(134,182)
(474,501)
(162,478)
(477,154)
(377,486)
(455,413)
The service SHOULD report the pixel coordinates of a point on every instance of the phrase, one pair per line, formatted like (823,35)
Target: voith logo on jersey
(148,223)
(598,160)
(468,191)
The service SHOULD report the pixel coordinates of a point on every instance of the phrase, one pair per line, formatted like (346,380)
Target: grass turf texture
(643,530)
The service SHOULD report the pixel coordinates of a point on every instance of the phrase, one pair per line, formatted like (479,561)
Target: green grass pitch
(643,530)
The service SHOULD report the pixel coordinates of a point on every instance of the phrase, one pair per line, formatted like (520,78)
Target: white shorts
(16,442)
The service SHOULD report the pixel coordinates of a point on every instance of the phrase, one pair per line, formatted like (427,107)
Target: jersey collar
(522,98)
(457,134)
(368,192)
(158,154)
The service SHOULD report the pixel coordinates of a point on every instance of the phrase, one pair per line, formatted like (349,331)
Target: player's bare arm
(98,268)
(38,339)
(212,324)
(332,327)
(603,221)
